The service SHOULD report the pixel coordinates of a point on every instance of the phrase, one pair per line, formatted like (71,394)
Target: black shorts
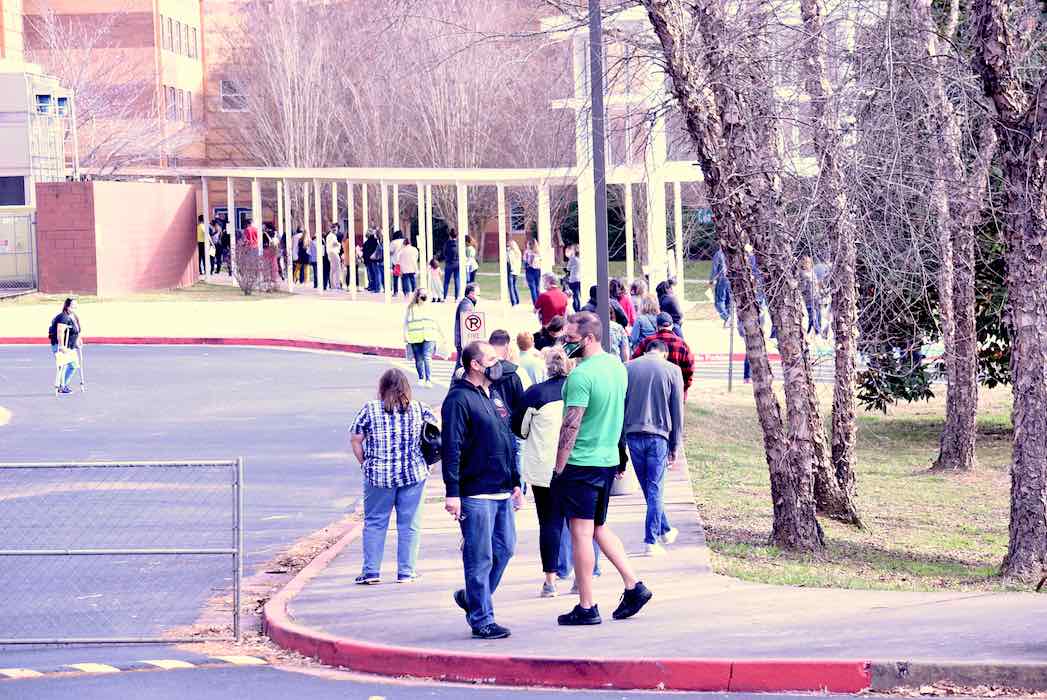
(584,492)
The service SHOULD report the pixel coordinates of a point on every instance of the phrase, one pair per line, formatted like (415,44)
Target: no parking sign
(474,327)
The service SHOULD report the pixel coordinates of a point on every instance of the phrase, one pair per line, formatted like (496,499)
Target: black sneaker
(632,601)
(367,580)
(581,616)
(459,598)
(491,631)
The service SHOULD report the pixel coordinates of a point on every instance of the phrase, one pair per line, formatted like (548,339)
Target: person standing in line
(369,247)
(408,261)
(421,332)
(436,281)
(532,261)
(513,261)
(617,312)
(395,246)
(471,264)
(227,245)
(574,276)
(201,243)
(250,238)
(334,253)
(64,334)
(587,462)
(668,303)
(619,294)
(386,440)
(537,422)
(482,485)
(451,269)
(552,302)
(550,333)
(531,360)
(514,379)
(300,257)
(653,423)
(721,285)
(310,252)
(646,323)
(677,350)
(637,290)
(215,232)
(378,259)
(466,305)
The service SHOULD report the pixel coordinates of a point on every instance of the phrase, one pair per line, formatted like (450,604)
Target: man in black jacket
(482,484)
(370,246)
(450,254)
(511,386)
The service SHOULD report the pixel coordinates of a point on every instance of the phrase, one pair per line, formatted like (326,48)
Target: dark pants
(550,528)
(489,534)
(514,293)
(201,249)
(814,315)
(470,276)
(216,261)
(722,295)
(576,295)
(327,272)
(423,356)
(534,281)
(450,271)
(313,266)
(409,282)
(396,285)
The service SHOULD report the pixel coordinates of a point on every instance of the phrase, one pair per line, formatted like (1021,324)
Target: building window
(232,96)
(43,104)
(177,48)
(171,113)
(193,46)
(185,39)
(188,106)
(517,220)
(12,191)
(63,106)
(163,34)
(170,34)
(179,104)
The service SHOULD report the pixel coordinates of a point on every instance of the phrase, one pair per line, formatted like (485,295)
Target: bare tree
(1005,35)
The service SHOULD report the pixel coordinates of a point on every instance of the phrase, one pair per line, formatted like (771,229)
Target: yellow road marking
(20,673)
(242,660)
(168,663)
(95,668)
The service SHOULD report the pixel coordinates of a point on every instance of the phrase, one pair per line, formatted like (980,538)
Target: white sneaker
(654,550)
(669,537)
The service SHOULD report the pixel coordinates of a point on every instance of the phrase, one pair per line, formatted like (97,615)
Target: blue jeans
(408,282)
(67,373)
(723,299)
(814,315)
(423,356)
(534,281)
(649,454)
(489,531)
(514,294)
(378,503)
(449,272)
(576,295)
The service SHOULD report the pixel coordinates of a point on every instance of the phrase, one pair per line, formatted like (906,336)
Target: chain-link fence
(125,552)
(17,254)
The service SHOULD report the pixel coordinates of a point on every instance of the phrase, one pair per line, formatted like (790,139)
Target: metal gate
(17,253)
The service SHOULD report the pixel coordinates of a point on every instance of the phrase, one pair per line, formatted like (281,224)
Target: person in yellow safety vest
(421,333)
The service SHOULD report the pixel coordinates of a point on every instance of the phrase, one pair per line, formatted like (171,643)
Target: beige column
(230,225)
(256,209)
(630,248)
(319,240)
(422,243)
(545,228)
(429,221)
(205,205)
(678,231)
(384,190)
(463,229)
(283,197)
(363,210)
(335,220)
(396,208)
(351,206)
(503,274)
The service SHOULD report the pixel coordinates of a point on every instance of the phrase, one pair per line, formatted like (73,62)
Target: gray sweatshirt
(654,399)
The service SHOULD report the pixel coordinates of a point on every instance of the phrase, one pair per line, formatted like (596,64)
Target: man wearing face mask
(587,458)
(482,484)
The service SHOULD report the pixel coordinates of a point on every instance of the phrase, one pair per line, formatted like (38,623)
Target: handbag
(432,442)
(396,270)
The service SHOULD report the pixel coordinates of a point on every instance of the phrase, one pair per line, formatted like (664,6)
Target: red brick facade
(112,238)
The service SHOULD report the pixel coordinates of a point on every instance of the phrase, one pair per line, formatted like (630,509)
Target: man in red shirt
(251,235)
(678,352)
(552,302)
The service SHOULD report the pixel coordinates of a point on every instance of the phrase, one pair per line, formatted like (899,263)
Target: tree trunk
(728,139)
(834,484)
(1021,126)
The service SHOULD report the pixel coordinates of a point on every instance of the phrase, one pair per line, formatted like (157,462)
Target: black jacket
(478,451)
(544,339)
(370,244)
(451,253)
(669,305)
(510,387)
(69,320)
(617,312)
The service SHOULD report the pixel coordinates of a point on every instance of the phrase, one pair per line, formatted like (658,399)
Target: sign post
(474,327)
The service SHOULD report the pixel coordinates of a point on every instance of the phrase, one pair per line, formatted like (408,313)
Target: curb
(496,669)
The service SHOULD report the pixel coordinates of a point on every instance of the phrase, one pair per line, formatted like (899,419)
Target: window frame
(170,112)
(237,95)
(177,48)
(188,107)
(170,34)
(195,45)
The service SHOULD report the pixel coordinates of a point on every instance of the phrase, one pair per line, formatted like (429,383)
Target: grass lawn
(924,530)
(201,291)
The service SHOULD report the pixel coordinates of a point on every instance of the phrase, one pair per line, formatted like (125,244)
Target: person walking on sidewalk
(201,243)
(532,261)
(333,278)
(678,351)
(653,422)
(421,333)
(482,484)
(574,276)
(721,285)
(513,262)
(466,305)
(537,422)
(386,440)
(587,462)
(64,334)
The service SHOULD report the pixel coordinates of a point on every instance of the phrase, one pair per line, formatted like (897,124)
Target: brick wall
(65,238)
(114,238)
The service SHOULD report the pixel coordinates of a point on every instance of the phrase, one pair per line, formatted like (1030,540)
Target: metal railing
(119,552)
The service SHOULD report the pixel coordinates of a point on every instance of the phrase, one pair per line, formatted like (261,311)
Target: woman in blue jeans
(386,440)
(421,333)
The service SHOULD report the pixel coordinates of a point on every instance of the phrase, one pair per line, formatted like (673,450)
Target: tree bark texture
(834,484)
(1021,126)
(729,141)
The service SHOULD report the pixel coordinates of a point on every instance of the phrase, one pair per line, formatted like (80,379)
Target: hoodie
(478,451)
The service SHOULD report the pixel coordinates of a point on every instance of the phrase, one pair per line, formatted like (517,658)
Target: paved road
(286,412)
(274,684)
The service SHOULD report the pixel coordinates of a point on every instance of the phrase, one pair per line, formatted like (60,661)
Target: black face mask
(494,372)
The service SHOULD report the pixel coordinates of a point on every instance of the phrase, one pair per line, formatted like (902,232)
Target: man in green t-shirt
(587,461)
